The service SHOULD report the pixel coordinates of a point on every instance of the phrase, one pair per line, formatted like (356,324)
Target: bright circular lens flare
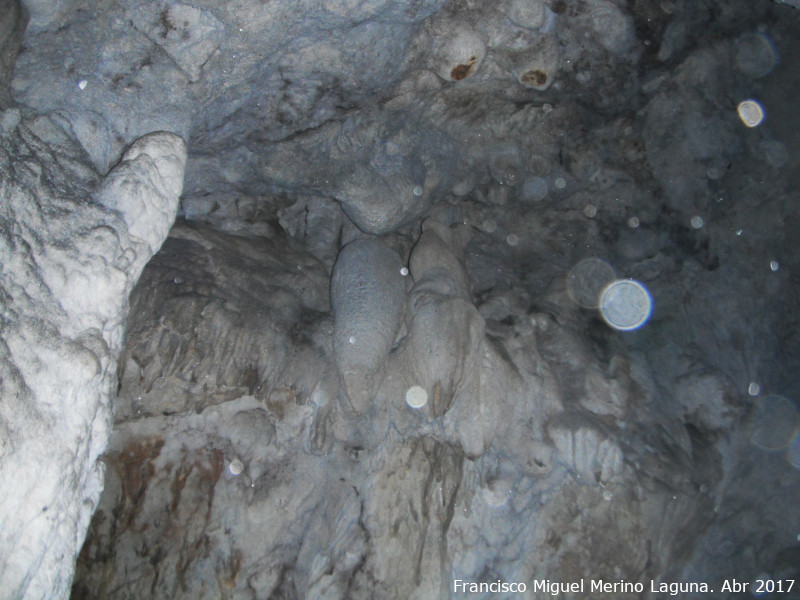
(751,113)
(626,304)
(416,396)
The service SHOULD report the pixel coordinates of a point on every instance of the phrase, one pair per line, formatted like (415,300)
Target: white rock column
(71,249)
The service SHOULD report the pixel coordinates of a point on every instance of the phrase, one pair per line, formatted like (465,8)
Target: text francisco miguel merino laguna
(554,588)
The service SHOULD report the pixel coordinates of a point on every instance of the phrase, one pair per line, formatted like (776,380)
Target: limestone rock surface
(69,263)
(566,233)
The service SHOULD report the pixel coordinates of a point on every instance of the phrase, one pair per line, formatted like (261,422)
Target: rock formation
(74,245)
(357,299)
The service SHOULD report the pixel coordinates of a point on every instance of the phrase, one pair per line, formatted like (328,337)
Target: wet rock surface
(376,352)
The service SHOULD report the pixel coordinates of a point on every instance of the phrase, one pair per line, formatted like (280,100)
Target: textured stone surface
(430,176)
(12,26)
(69,263)
(325,506)
(367,297)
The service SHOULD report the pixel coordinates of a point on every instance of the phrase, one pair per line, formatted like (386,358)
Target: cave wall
(70,259)
(73,245)
(367,359)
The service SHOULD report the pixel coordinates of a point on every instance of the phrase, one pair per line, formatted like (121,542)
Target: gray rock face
(375,353)
(443,351)
(69,263)
(12,26)
(367,297)
(227,455)
(384,168)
